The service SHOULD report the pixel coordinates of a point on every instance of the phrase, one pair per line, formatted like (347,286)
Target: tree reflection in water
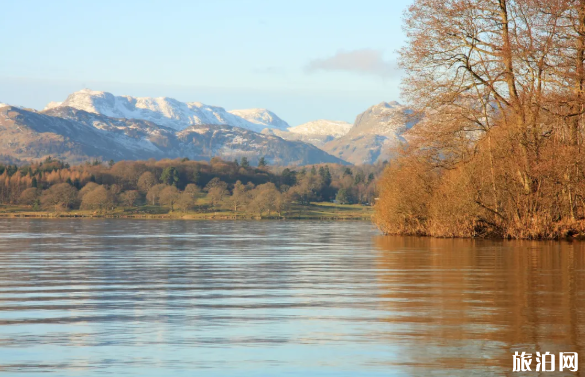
(470,304)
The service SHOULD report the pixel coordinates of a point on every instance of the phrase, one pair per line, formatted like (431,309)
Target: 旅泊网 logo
(545,362)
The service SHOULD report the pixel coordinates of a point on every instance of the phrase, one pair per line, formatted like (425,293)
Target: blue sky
(304,60)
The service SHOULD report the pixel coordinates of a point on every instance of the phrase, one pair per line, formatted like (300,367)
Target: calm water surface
(274,298)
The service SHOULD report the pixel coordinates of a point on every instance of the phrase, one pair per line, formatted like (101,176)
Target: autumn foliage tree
(498,88)
(100,198)
(59,197)
(134,187)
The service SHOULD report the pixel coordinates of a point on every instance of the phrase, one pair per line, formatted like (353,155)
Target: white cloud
(364,61)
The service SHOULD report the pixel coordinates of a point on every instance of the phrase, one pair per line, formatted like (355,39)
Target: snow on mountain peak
(164,111)
(263,117)
(386,118)
(334,128)
(52,105)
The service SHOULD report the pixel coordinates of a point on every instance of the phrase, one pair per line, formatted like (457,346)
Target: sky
(304,60)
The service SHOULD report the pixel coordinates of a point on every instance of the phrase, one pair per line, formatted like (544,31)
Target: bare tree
(153,194)
(499,87)
(169,196)
(240,195)
(99,198)
(129,198)
(59,196)
(146,181)
(29,196)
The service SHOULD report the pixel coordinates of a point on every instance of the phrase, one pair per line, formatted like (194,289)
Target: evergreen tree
(11,169)
(288,177)
(262,162)
(236,162)
(344,196)
(170,176)
(244,162)
(195,177)
(325,175)
(313,170)
(34,182)
(327,179)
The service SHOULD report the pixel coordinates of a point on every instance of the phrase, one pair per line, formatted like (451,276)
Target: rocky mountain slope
(167,111)
(77,135)
(374,133)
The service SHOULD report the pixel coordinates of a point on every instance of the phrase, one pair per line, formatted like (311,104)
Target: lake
(277,298)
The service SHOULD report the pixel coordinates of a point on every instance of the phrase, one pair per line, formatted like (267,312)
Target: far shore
(314,211)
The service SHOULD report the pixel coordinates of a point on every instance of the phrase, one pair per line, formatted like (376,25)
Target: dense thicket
(183,185)
(499,86)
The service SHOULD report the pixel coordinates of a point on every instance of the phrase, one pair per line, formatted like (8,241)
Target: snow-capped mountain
(386,119)
(163,111)
(262,117)
(3,104)
(317,132)
(77,135)
(334,128)
(92,124)
(373,134)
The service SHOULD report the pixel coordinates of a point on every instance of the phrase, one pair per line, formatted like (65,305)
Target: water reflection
(271,298)
(464,304)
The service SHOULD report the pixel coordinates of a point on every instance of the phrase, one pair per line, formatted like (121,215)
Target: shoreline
(177,217)
(315,211)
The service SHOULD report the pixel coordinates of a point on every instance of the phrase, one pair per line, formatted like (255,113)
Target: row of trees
(183,185)
(500,88)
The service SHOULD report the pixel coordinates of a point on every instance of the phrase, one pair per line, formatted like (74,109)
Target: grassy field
(324,211)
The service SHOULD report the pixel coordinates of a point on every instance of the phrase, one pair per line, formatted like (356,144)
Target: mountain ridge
(146,119)
(261,117)
(77,135)
(164,111)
